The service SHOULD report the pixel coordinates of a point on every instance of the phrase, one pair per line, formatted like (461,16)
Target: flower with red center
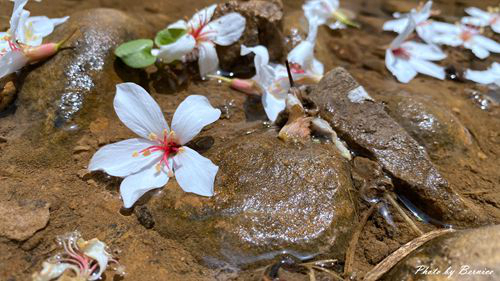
(407,58)
(148,162)
(482,18)
(468,37)
(201,35)
(272,79)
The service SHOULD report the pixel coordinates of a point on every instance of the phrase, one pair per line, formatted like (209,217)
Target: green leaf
(169,36)
(137,53)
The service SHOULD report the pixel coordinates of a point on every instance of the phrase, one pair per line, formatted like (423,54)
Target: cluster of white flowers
(24,31)
(407,58)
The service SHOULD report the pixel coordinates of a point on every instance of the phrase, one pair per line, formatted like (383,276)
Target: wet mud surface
(435,143)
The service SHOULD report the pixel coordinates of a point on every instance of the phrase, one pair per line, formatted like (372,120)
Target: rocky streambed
(279,208)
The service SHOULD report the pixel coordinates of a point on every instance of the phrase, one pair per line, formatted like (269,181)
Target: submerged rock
(365,126)
(430,124)
(271,198)
(264,26)
(68,88)
(463,255)
(20,220)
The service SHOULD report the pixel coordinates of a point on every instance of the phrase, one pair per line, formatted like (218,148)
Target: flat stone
(20,220)
(374,134)
(271,198)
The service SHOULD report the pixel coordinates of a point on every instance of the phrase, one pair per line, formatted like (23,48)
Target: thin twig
(312,276)
(390,261)
(403,214)
(331,273)
(351,249)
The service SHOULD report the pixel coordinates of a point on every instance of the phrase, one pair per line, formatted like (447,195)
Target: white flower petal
(453,40)
(424,51)
(22,28)
(41,25)
(139,111)
(134,186)
(397,25)
(264,72)
(208,60)
(202,17)
(496,26)
(317,68)
(302,54)
(487,43)
(484,77)
(180,24)
(478,13)
(96,250)
(51,271)
(117,159)
(194,173)
(17,13)
(59,21)
(403,71)
(194,113)
(176,50)
(477,50)
(407,31)
(225,30)
(474,21)
(12,62)
(427,68)
(273,105)
(320,10)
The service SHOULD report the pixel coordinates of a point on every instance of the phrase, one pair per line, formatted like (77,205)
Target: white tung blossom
(148,161)
(24,30)
(482,18)
(201,36)
(421,18)
(407,58)
(489,76)
(469,38)
(273,78)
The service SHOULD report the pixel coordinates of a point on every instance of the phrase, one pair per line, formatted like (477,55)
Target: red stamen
(168,148)
(401,53)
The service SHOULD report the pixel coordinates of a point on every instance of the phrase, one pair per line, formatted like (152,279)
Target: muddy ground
(40,170)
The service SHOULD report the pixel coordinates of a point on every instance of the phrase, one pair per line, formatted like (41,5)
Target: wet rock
(271,198)
(429,123)
(68,89)
(369,129)
(264,26)
(463,255)
(20,220)
(144,217)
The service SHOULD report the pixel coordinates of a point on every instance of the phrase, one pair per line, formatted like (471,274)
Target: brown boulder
(366,127)
(271,198)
